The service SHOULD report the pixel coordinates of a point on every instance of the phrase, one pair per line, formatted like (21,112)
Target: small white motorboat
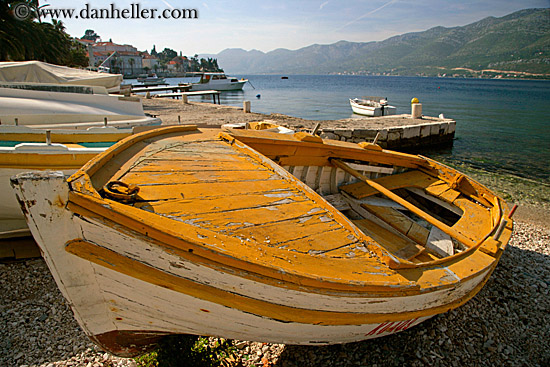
(219,82)
(151,79)
(372,106)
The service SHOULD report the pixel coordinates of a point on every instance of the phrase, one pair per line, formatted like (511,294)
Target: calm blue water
(502,125)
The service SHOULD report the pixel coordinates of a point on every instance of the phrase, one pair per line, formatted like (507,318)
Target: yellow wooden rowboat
(257,236)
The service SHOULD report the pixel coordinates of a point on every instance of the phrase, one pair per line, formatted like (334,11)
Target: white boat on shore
(43,73)
(53,106)
(372,106)
(219,82)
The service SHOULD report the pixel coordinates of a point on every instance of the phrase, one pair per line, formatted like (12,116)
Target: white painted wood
(311,177)
(337,201)
(138,247)
(325,181)
(12,221)
(440,242)
(368,168)
(378,201)
(51,226)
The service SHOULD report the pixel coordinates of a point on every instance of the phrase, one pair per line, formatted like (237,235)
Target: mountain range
(517,44)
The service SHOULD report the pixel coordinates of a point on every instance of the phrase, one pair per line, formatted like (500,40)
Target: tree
(30,39)
(90,35)
(167,54)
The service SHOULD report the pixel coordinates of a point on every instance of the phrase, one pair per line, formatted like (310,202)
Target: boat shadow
(504,323)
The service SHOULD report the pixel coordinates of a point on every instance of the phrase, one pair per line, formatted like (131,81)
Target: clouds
(367,14)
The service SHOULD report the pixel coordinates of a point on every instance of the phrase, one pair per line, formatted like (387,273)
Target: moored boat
(372,106)
(257,236)
(219,82)
(151,79)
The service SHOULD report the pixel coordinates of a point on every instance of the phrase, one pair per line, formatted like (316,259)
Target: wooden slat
(401,222)
(279,233)
(196,176)
(411,178)
(234,219)
(180,207)
(354,250)
(369,168)
(398,245)
(191,165)
(201,190)
(321,242)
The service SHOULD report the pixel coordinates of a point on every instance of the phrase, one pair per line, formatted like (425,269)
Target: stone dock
(398,132)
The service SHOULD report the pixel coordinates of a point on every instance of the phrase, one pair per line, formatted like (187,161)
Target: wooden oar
(422,214)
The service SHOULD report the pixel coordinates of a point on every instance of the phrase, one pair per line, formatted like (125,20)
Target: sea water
(502,131)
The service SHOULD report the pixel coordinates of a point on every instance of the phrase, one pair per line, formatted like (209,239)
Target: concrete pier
(397,132)
(400,132)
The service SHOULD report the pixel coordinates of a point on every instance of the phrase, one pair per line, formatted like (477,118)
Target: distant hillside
(519,42)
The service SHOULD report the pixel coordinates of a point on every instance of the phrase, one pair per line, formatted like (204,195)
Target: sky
(266,25)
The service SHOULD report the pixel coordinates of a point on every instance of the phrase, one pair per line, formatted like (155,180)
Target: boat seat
(414,178)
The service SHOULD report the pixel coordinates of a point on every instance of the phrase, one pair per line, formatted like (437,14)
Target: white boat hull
(219,85)
(12,220)
(52,110)
(372,111)
(110,300)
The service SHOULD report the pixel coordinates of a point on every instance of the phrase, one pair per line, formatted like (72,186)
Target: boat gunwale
(288,313)
(100,204)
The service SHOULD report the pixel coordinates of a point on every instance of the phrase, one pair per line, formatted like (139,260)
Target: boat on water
(372,106)
(219,82)
(151,79)
(251,235)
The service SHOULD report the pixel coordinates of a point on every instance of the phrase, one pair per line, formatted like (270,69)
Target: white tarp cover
(41,72)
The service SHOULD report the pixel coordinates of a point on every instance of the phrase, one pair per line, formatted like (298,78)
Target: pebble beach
(506,324)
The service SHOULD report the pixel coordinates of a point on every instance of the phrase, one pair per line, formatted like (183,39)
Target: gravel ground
(507,323)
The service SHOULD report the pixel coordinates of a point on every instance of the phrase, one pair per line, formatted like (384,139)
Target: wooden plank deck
(210,185)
